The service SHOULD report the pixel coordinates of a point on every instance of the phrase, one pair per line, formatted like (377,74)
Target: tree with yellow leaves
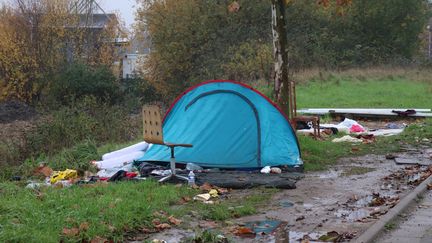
(36,39)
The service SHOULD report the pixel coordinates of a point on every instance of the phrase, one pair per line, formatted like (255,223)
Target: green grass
(237,206)
(29,216)
(355,92)
(390,226)
(110,210)
(373,88)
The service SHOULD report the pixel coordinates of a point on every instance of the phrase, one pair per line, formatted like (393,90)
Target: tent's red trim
(224,81)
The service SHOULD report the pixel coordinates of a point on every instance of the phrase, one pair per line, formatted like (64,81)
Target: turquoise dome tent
(230,125)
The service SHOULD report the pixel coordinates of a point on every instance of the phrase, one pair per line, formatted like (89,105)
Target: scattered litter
(192,166)
(263,227)
(334,236)
(213,193)
(63,175)
(356,128)
(122,175)
(386,132)
(110,172)
(221,239)
(145,168)
(63,183)
(202,197)
(118,161)
(191,178)
(266,170)
(142,146)
(307,206)
(275,170)
(395,126)
(347,138)
(36,185)
(158,241)
(161,172)
(244,232)
(412,179)
(353,215)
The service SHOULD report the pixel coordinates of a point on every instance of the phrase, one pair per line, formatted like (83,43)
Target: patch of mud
(356,170)
(347,199)
(342,202)
(170,236)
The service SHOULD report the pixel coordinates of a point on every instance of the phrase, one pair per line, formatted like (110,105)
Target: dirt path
(344,201)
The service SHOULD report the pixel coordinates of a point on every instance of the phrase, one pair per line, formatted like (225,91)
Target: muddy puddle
(338,204)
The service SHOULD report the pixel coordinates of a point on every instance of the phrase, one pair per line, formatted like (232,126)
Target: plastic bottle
(191,178)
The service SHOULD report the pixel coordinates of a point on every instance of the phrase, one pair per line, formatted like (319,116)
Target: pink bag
(357,128)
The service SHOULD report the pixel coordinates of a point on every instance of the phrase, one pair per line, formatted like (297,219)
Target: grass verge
(355,92)
(107,210)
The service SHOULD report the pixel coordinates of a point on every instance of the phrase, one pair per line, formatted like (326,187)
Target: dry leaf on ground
(174,221)
(70,232)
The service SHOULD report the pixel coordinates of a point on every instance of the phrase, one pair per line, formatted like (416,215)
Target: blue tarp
(230,125)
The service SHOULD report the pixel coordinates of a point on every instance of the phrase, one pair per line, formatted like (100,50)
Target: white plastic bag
(119,161)
(142,146)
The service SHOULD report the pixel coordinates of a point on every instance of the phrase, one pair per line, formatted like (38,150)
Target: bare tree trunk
(280,51)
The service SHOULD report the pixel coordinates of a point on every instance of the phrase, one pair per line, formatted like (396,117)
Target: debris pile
(355,132)
(368,207)
(211,195)
(411,175)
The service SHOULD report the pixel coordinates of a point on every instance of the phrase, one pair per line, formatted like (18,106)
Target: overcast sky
(126,8)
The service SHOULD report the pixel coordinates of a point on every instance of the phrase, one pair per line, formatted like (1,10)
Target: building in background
(134,58)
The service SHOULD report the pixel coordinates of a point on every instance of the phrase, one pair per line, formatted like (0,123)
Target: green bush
(79,80)
(84,120)
(137,91)
(249,61)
